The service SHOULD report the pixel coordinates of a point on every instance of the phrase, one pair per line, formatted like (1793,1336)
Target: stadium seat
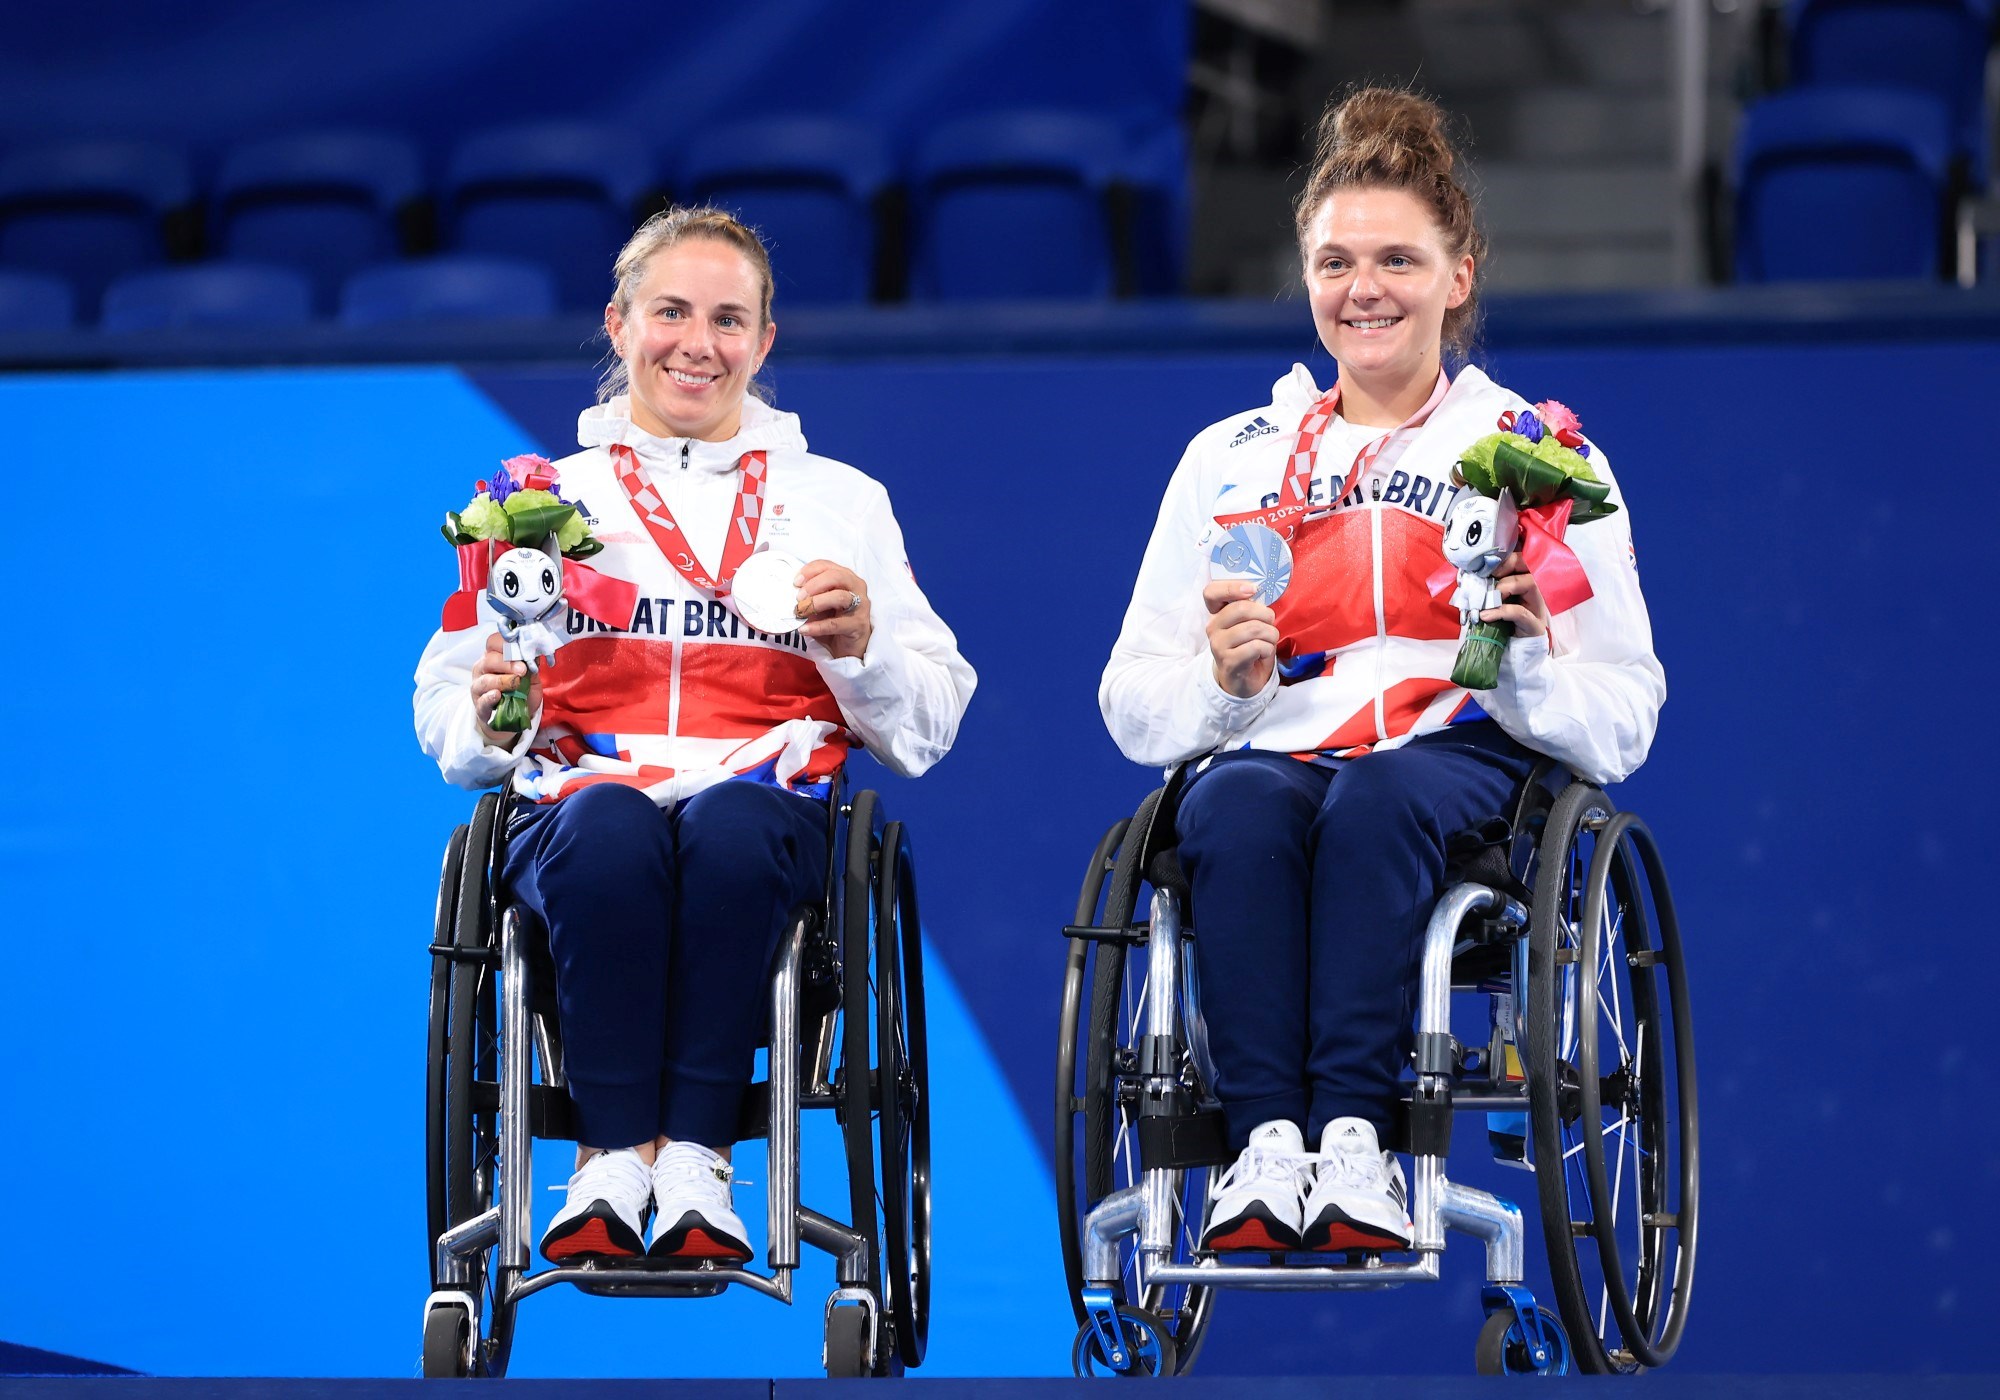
(87,211)
(34,301)
(207,294)
(811,186)
(462,288)
(324,202)
(1931,46)
(564,194)
(1155,214)
(1013,204)
(1841,183)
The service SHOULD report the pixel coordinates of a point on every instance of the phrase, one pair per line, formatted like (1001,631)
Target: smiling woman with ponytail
(1331,754)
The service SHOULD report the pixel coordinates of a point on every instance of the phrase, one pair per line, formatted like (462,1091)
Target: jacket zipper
(1381,618)
(674,672)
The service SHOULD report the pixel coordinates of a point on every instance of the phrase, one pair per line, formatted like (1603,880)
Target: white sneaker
(693,1218)
(610,1197)
(1256,1203)
(1358,1199)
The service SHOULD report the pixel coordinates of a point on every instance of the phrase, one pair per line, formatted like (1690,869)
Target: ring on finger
(853,601)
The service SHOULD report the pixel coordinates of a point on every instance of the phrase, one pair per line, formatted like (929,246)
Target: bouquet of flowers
(522,505)
(519,514)
(1539,463)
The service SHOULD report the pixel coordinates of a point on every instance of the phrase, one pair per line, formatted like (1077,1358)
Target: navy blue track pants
(1311,889)
(663,928)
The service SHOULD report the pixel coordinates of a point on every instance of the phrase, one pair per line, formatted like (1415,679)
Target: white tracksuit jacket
(689,695)
(1366,652)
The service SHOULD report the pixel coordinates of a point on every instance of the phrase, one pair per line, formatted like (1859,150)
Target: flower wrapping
(1540,460)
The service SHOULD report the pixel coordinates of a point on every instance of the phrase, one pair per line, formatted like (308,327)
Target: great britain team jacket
(1366,649)
(688,695)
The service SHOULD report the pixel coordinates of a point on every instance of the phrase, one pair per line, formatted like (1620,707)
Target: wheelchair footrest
(1179,1141)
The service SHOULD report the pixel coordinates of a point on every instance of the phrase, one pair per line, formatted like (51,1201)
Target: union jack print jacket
(1366,648)
(688,695)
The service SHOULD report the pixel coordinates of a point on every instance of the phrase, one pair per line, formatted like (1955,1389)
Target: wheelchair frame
(823,1002)
(1167,1069)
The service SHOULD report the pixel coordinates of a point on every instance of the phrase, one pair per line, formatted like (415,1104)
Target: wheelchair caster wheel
(447,1344)
(847,1343)
(1149,1350)
(1503,1351)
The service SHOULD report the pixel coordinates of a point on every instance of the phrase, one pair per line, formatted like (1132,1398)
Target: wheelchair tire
(1502,1351)
(1109,1149)
(447,1334)
(1606,983)
(859,1078)
(903,1123)
(462,1080)
(845,1353)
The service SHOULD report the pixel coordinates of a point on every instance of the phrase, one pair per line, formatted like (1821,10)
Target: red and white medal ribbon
(1295,495)
(659,521)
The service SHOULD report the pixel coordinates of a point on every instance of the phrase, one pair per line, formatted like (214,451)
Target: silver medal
(763,594)
(1254,553)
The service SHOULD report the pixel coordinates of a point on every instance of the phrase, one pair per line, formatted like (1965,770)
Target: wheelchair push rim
(1611,1076)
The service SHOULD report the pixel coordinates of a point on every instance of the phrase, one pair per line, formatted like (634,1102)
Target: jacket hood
(764,429)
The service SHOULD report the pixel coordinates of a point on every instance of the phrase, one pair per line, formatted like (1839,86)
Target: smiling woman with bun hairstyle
(1330,753)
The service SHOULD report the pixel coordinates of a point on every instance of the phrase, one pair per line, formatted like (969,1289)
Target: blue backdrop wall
(221,848)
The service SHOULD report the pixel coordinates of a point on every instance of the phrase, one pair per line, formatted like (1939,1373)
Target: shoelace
(682,1162)
(1355,1168)
(610,1164)
(1263,1164)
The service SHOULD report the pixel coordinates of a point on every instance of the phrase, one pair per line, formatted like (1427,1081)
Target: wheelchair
(1559,912)
(846,1033)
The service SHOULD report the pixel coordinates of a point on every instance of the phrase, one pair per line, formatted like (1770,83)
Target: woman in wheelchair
(673,772)
(1328,755)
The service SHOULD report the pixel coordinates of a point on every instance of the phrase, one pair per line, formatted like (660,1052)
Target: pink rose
(527,465)
(1557,418)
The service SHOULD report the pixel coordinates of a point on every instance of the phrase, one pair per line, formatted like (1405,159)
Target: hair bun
(1385,133)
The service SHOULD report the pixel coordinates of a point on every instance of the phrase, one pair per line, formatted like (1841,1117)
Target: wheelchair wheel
(462,1073)
(1152,1348)
(1611,1086)
(883,1095)
(903,1126)
(1502,1351)
(1097,1133)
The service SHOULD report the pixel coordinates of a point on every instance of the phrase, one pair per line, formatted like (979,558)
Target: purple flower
(502,486)
(1583,449)
(1528,426)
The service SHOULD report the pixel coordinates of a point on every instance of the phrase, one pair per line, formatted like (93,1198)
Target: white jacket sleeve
(1589,694)
(445,725)
(907,693)
(1159,695)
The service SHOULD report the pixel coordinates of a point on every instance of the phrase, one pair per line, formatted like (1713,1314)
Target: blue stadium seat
(1013,204)
(1841,183)
(86,211)
(1931,46)
(34,301)
(564,194)
(1158,214)
(461,288)
(207,294)
(810,186)
(325,202)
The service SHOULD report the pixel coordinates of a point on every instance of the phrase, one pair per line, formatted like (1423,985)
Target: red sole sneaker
(1251,1232)
(1328,1234)
(591,1237)
(695,1239)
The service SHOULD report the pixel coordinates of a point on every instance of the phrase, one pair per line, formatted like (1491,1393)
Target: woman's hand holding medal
(1242,636)
(833,601)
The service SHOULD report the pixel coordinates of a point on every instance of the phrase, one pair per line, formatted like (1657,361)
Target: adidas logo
(1255,428)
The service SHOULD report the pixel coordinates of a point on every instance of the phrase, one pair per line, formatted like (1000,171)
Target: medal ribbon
(1294,496)
(744,519)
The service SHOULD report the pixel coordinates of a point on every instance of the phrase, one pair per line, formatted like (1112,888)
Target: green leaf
(1475,464)
(590,546)
(536,521)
